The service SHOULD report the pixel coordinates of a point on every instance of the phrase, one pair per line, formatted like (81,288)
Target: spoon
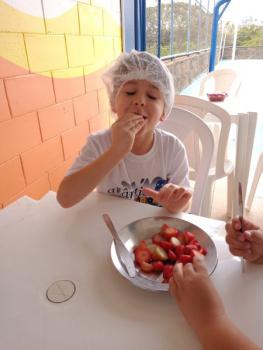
(122,252)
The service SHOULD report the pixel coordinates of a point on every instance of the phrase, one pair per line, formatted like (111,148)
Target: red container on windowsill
(219,97)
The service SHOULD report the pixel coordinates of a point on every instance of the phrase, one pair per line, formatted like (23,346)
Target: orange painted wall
(51,94)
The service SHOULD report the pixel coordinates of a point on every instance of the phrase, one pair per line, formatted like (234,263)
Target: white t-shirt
(166,162)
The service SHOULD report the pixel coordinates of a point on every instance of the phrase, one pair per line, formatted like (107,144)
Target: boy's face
(140,97)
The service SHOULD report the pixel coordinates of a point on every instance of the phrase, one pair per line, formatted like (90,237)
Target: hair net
(138,65)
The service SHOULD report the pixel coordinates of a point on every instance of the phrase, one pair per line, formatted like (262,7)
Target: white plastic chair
(183,123)
(258,172)
(220,121)
(220,80)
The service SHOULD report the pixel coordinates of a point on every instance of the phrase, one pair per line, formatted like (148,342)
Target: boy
(133,159)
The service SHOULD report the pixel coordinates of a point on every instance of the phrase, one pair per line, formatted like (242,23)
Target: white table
(246,120)
(42,243)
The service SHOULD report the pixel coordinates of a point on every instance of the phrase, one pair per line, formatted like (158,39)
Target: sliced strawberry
(184,258)
(158,266)
(196,243)
(188,237)
(167,272)
(143,244)
(166,245)
(142,255)
(168,231)
(160,254)
(175,241)
(203,251)
(164,227)
(152,247)
(171,255)
(146,267)
(157,238)
(189,248)
(179,250)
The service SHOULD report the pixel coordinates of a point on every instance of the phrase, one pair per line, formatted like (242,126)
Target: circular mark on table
(60,291)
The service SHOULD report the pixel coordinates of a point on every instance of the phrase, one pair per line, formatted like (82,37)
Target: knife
(241,219)
(122,252)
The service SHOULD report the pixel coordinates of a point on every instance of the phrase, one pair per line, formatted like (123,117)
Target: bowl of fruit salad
(157,243)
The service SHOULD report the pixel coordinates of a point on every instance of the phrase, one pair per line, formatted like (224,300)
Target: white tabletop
(44,243)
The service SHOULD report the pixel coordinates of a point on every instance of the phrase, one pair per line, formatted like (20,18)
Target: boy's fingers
(165,193)
(151,193)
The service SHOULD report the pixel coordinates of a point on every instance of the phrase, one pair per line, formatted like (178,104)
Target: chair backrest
(220,80)
(211,112)
(182,123)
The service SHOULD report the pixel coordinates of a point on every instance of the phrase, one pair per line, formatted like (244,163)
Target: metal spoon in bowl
(122,252)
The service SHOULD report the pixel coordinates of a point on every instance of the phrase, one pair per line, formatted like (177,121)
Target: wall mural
(52,54)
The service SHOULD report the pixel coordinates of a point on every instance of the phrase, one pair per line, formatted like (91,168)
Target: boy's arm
(77,186)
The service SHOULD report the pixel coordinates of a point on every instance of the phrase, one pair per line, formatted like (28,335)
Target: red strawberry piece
(164,227)
(203,251)
(142,254)
(171,255)
(157,238)
(184,258)
(168,231)
(196,243)
(188,237)
(158,266)
(146,267)
(166,245)
(167,272)
(175,241)
(189,248)
(160,254)
(143,244)
(179,250)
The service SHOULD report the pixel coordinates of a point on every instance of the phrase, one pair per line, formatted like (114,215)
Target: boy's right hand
(123,132)
(248,244)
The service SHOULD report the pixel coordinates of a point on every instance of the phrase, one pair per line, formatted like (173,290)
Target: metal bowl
(133,233)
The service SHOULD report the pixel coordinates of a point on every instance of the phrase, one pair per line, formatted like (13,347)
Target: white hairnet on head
(138,65)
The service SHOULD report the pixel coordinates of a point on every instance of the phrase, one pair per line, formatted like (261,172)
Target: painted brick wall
(52,54)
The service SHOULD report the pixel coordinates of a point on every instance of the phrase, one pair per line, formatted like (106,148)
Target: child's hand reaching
(174,198)
(248,244)
(195,294)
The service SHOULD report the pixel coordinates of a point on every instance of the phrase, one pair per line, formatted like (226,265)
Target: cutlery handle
(111,227)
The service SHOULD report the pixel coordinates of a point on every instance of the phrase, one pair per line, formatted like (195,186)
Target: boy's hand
(123,132)
(195,294)
(174,198)
(248,244)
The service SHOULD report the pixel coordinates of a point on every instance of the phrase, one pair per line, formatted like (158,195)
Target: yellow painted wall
(52,54)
